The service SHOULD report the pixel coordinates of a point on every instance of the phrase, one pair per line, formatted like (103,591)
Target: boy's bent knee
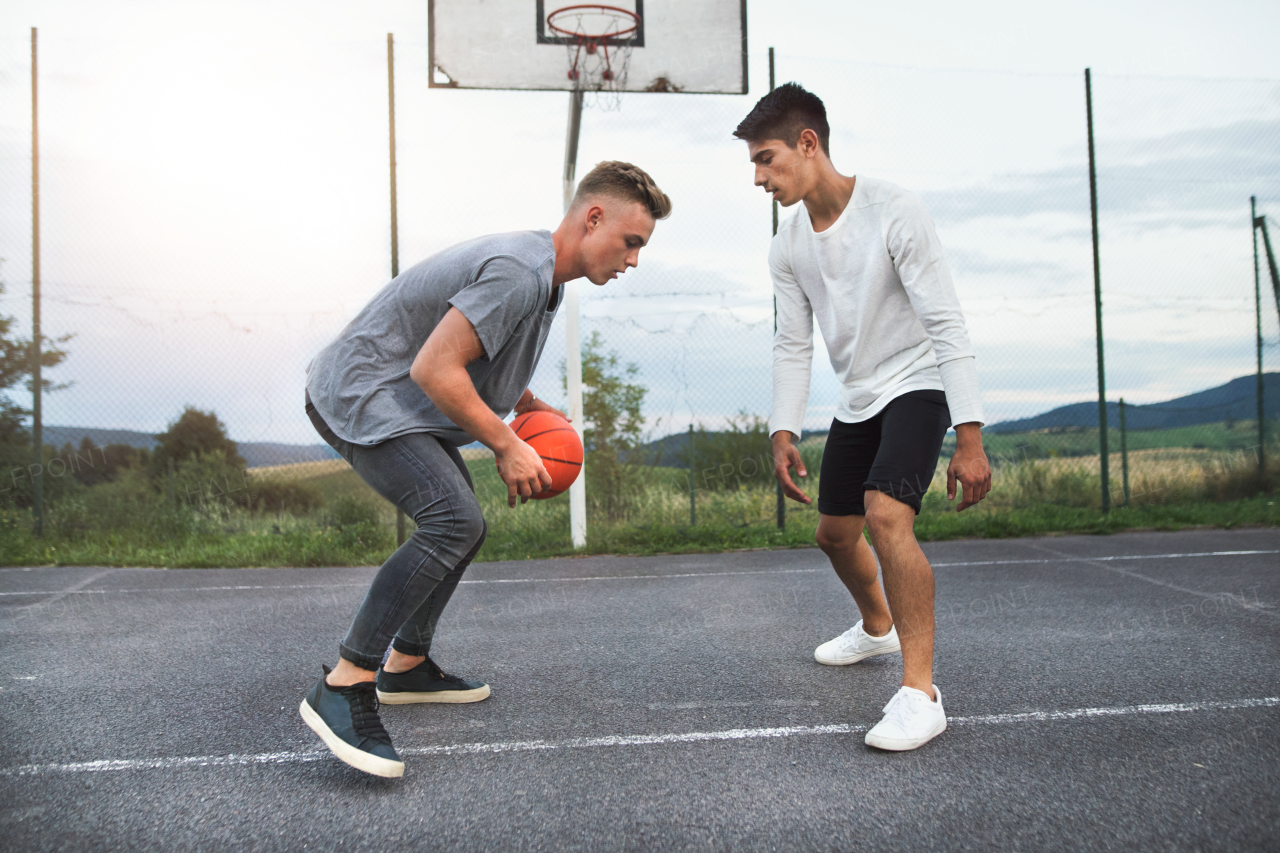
(465,526)
(838,536)
(886,514)
(471,527)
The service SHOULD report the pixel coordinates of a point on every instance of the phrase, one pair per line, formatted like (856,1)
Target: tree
(613,425)
(736,457)
(192,435)
(15,439)
(94,465)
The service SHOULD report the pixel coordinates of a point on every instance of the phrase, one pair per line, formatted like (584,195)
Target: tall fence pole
(1097,301)
(573,339)
(37,347)
(1124,454)
(395,226)
(781,499)
(1257,304)
(693,494)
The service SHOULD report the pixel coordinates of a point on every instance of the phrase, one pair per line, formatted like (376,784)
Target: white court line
(647,577)
(1105,559)
(629,740)
(191,589)
(366,584)
(1027,562)
(1257,607)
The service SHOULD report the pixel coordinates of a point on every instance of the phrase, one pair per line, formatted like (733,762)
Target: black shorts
(895,452)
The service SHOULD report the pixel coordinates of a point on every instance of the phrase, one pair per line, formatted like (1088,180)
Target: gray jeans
(428,480)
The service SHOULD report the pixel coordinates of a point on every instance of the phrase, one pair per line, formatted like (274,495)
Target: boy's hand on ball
(522,470)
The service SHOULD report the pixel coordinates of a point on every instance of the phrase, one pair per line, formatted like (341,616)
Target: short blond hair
(625,182)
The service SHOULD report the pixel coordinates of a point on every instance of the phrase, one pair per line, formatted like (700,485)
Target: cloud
(1192,175)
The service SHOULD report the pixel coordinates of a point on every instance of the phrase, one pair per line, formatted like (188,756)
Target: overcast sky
(215,193)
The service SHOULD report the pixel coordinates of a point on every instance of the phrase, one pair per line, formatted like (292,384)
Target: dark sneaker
(346,718)
(426,682)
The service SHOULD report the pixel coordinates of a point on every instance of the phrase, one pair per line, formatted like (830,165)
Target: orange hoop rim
(598,8)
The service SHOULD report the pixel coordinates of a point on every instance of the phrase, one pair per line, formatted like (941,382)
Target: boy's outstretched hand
(969,465)
(785,457)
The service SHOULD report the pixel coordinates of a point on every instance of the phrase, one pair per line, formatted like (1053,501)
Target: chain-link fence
(206,231)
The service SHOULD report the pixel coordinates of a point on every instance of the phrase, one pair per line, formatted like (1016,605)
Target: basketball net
(599,43)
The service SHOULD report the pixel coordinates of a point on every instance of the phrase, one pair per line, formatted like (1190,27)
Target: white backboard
(679,46)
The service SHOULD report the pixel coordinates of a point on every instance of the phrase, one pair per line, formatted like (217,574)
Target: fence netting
(206,232)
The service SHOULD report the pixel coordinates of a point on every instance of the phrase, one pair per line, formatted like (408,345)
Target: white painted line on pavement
(196,589)
(366,584)
(1257,607)
(628,740)
(1026,562)
(1105,559)
(647,577)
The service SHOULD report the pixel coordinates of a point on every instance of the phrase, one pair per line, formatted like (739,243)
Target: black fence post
(781,499)
(693,497)
(37,339)
(1257,304)
(1124,453)
(1097,302)
(395,229)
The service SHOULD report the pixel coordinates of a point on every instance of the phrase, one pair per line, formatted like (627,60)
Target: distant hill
(257,454)
(673,450)
(1235,400)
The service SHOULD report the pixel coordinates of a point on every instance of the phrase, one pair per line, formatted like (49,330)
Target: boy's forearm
(968,434)
(453,393)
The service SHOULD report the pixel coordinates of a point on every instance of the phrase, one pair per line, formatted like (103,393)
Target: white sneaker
(911,719)
(855,645)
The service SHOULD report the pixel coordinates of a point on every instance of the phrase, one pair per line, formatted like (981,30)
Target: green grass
(369,545)
(130,522)
(1225,436)
(126,524)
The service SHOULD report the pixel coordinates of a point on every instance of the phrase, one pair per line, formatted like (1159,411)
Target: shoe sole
(900,745)
(445,697)
(358,759)
(888,650)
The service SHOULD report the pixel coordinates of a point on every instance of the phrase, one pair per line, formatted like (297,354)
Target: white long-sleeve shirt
(885,302)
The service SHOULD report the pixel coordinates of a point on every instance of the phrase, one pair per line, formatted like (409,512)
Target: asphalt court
(1115,692)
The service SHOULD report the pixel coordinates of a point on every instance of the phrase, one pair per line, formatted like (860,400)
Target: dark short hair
(625,182)
(784,114)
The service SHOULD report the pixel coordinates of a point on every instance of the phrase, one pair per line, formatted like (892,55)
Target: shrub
(349,510)
(270,494)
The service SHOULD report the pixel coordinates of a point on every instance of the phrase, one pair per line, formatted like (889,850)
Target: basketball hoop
(599,39)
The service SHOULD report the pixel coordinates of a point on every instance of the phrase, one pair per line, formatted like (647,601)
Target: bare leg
(399,662)
(346,674)
(840,538)
(908,583)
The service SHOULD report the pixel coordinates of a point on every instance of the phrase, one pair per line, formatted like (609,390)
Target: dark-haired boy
(437,359)
(863,257)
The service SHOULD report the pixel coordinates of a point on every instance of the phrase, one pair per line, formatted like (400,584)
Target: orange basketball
(557,443)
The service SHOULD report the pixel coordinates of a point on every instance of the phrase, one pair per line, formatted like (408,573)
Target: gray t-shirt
(360,383)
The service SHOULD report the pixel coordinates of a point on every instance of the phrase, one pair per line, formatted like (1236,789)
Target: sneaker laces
(363,698)
(901,707)
(849,639)
(441,674)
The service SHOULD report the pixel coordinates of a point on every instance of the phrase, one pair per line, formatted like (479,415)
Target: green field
(1227,436)
(128,523)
